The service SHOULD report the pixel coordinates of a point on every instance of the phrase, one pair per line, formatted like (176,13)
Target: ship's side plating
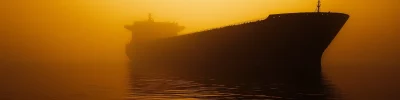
(292,40)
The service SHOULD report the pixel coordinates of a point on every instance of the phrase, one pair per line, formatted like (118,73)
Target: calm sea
(119,81)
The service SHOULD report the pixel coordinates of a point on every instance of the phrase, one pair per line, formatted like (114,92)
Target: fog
(82,31)
(91,31)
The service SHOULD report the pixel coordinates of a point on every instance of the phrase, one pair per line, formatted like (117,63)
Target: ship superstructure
(143,31)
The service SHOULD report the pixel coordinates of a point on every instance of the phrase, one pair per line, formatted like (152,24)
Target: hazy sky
(93,29)
(368,46)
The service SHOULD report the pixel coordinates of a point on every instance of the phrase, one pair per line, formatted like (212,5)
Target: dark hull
(292,42)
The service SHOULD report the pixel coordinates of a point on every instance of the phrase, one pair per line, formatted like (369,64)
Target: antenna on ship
(319,6)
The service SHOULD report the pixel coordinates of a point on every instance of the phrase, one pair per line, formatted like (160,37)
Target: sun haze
(66,28)
(364,56)
(203,14)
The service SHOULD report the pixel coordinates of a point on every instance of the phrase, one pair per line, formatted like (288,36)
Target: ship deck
(308,14)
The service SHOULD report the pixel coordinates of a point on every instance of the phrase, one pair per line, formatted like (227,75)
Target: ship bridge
(151,30)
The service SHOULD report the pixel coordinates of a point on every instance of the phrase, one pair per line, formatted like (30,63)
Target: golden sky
(92,31)
(65,28)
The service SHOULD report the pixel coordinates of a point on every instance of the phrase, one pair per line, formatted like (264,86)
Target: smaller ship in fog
(291,42)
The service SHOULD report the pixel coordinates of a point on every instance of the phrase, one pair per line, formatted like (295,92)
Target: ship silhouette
(290,42)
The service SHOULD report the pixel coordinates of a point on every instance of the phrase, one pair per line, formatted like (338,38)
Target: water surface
(119,81)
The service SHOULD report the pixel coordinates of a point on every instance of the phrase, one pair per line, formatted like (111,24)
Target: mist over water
(63,82)
(58,50)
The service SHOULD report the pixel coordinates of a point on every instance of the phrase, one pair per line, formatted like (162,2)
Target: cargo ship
(291,42)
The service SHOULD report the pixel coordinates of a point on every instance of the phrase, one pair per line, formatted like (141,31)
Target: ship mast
(319,6)
(150,18)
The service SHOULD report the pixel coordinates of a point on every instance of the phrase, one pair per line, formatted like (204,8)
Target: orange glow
(65,28)
(203,14)
(92,31)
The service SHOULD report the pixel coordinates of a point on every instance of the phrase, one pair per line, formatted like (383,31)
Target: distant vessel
(288,41)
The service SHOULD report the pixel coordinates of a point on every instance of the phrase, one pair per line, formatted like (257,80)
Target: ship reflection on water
(152,84)
(278,57)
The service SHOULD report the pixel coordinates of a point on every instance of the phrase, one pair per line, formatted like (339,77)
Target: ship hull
(292,42)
